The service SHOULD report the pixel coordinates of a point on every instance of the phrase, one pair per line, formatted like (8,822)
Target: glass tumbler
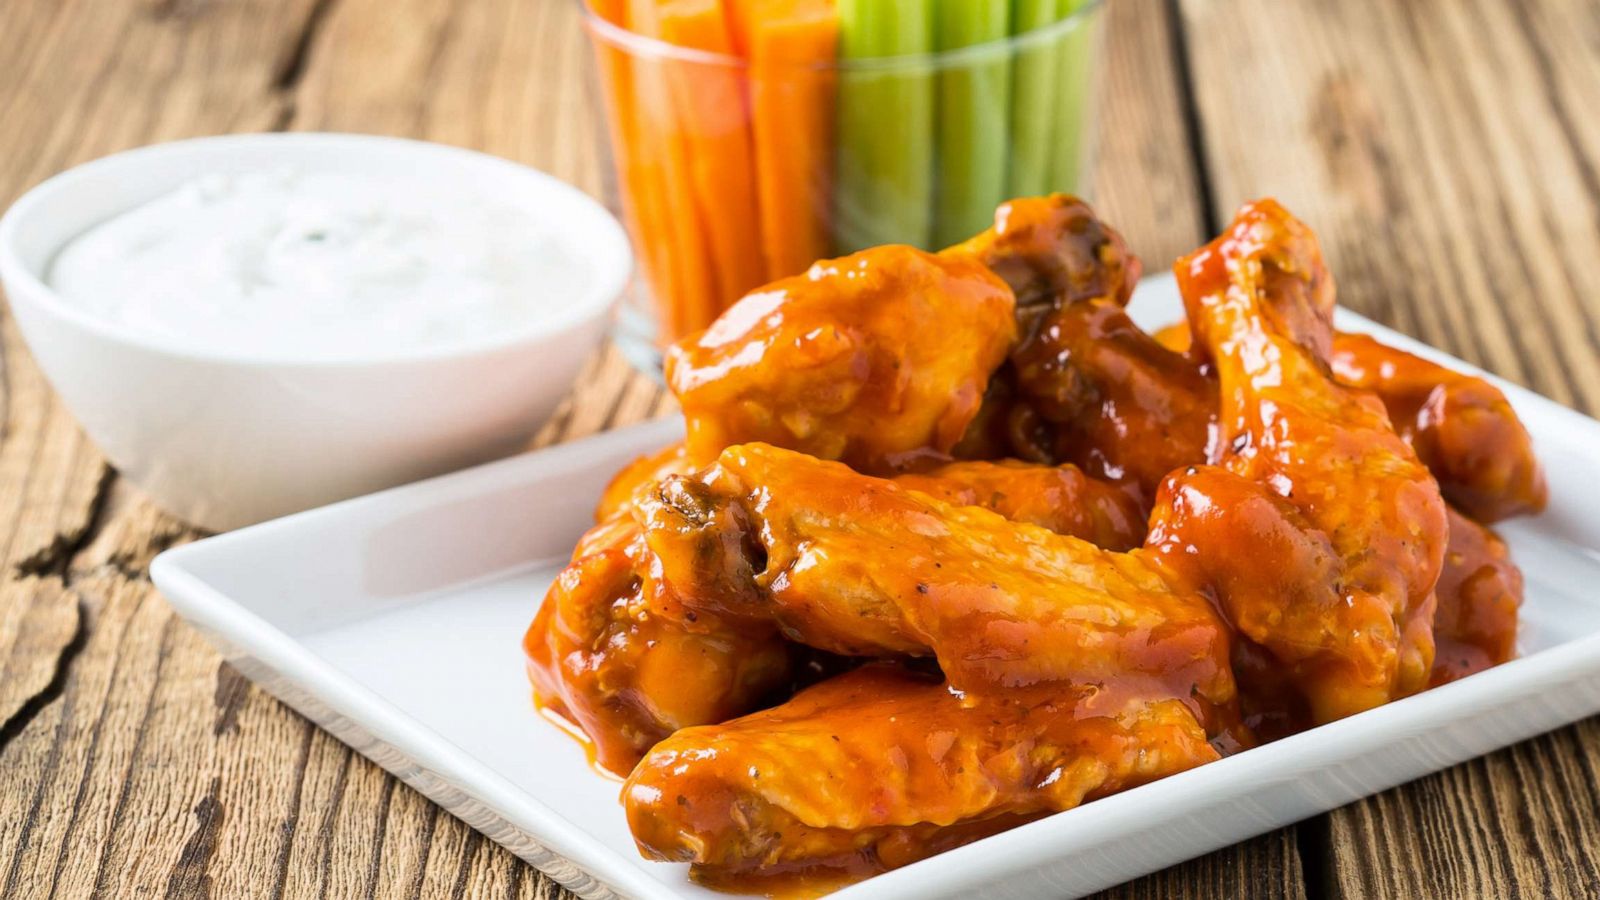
(816,136)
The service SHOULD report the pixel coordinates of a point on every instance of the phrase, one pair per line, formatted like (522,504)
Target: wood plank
(85,79)
(1146,182)
(1444,153)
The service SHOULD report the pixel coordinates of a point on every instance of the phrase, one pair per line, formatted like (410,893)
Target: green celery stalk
(1033,99)
(1074,87)
(885,126)
(973,118)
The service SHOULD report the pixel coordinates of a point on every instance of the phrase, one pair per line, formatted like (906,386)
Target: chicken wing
(1480,592)
(1084,383)
(1054,250)
(1138,411)
(617,654)
(1461,426)
(878,768)
(860,566)
(870,359)
(605,644)
(1322,534)
(617,498)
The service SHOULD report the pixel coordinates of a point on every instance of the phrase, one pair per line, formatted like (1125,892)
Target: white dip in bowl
(318,265)
(258,324)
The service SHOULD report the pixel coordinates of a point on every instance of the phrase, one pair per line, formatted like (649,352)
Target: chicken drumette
(1461,426)
(1084,384)
(876,359)
(1321,533)
(614,651)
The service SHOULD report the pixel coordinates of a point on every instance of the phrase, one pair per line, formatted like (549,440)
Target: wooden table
(1447,151)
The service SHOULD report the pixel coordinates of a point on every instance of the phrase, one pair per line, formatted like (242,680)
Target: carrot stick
(713,122)
(659,149)
(642,194)
(788,43)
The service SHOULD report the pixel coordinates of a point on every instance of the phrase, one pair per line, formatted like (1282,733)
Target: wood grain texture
(1146,181)
(1440,147)
(1446,153)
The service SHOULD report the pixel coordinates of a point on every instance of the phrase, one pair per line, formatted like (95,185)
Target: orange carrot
(789,43)
(662,156)
(642,195)
(713,115)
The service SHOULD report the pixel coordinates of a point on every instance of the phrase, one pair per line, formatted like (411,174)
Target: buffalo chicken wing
(1084,384)
(874,359)
(1461,426)
(616,653)
(1314,481)
(880,767)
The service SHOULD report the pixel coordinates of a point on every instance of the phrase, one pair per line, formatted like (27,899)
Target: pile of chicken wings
(953,544)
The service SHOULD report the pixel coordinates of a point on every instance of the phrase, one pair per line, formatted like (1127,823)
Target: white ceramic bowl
(224,440)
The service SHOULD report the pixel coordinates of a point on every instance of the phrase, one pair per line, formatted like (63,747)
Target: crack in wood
(1313,842)
(293,68)
(190,876)
(19,721)
(1189,105)
(55,558)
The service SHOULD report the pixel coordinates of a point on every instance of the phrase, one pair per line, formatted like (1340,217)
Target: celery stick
(974,108)
(1033,103)
(1074,94)
(885,126)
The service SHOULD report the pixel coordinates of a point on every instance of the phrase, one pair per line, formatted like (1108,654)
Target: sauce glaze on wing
(1084,383)
(1461,426)
(1321,533)
(615,652)
(874,359)
(881,767)
(863,567)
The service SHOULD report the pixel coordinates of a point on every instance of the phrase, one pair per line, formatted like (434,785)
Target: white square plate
(395,622)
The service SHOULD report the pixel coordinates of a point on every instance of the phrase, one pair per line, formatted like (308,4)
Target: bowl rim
(610,261)
(640,46)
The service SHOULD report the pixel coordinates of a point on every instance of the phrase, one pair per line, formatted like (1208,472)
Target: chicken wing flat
(617,654)
(869,359)
(1461,426)
(862,567)
(1480,592)
(1322,534)
(880,767)
(609,636)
